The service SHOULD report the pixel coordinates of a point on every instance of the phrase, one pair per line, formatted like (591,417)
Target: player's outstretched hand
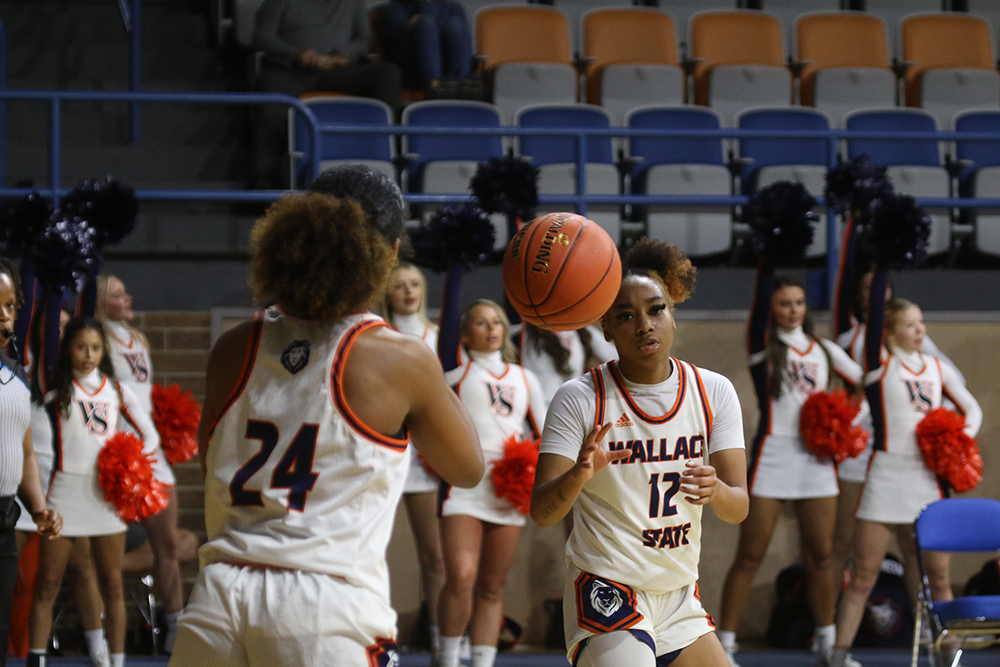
(593,457)
(49,522)
(699,482)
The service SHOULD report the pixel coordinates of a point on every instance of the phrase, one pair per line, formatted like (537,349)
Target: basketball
(561,272)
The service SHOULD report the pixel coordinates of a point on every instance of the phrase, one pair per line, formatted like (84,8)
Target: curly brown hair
(666,264)
(318,257)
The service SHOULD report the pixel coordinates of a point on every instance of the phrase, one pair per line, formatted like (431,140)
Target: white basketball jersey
(93,418)
(131,361)
(498,402)
(909,392)
(636,506)
(295,480)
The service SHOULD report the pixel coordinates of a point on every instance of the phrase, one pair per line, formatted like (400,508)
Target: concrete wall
(181,340)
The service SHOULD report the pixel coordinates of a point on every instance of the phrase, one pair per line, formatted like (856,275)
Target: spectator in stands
(312,45)
(430,43)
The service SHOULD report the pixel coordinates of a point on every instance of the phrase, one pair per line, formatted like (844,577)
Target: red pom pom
(176,416)
(827,426)
(948,450)
(514,475)
(125,473)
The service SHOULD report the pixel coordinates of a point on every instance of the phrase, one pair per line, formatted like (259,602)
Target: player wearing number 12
(308,413)
(638,447)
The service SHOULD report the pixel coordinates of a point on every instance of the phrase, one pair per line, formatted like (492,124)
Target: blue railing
(579,201)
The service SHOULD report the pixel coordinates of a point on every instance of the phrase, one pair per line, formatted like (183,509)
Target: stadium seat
(847,63)
(787,11)
(982,177)
(742,61)
(375,150)
(914,164)
(634,59)
(956,525)
(953,64)
(556,158)
(683,10)
(682,166)
(800,160)
(892,13)
(525,53)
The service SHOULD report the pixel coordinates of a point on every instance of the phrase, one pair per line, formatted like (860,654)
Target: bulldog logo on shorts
(603,605)
(296,356)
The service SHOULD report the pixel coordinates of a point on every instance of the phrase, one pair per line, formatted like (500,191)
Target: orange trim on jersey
(104,381)
(506,369)
(619,381)
(462,379)
(248,363)
(382,647)
(340,400)
(756,463)
(812,344)
(601,396)
(128,345)
(59,447)
(697,596)
(709,417)
(921,371)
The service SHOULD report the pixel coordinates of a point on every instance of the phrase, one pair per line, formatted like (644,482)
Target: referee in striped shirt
(18,467)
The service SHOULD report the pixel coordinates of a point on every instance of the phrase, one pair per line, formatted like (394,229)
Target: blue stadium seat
(982,177)
(375,150)
(681,166)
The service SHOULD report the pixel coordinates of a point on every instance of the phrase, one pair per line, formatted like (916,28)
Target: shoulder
(579,391)
(401,354)
(714,382)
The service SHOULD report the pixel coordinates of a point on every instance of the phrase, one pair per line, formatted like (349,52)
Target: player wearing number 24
(309,412)
(638,447)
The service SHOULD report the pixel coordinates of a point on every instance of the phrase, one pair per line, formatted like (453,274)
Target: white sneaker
(101,657)
(730,652)
(465,648)
(849,661)
(825,659)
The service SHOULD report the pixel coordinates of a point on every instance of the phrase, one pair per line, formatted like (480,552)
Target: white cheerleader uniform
(633,553)
(133,366)
(97,411)
(853,342)
(782,466)
(500,397)
(42,443)
(541,364)
(418,479)
(910,384)
(300,498)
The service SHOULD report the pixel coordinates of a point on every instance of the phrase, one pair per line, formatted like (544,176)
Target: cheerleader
(86,595)
(130,357)
(557,357)
(674,437)
(902,387)
(479,530)
(787,364)
(405,309)
(89,407)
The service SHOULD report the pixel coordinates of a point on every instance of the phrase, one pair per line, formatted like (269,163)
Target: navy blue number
(293,471)
(669,509)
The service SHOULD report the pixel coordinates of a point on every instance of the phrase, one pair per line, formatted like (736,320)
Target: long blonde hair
(385,307)
(507,351)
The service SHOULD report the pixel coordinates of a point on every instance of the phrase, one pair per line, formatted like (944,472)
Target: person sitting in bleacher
(430,43)
(312,45)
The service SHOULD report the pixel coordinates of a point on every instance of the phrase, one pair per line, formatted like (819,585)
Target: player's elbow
(468,475)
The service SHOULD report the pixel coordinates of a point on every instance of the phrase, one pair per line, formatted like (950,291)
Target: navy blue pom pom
(23,222)
(898,232)
(66,255)
(462,235)
(781,221)
(507,185)
(109,207)
(851,186)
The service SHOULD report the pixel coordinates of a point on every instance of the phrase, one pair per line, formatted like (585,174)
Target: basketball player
(304,433)
(902,387)
(660,440)
(787,364)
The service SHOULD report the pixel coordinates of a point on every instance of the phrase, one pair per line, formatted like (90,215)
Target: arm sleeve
(536,402)
(265,32)
(448,333)
(760,310)
(727,416)
(569,419)
(931,349)
(957,393)
(843,365)
(142,421)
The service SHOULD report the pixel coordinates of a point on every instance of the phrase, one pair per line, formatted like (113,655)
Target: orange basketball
(561,272)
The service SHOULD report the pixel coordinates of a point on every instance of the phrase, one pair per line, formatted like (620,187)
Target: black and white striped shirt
(15,419)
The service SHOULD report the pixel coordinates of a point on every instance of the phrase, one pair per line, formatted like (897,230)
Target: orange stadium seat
(635,43)
(839,40)
(522,34)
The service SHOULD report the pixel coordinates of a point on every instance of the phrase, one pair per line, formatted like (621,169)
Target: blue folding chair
(556,157)
(957,524)
(374,150)
(981,176)
(664,165)
(914,165)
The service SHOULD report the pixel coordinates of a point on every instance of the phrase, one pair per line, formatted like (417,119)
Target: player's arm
(225,366)
(48,521)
